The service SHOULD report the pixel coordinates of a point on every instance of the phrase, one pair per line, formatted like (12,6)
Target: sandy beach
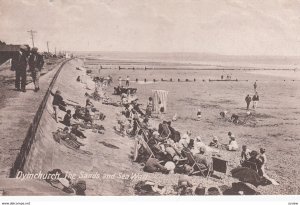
(274,125)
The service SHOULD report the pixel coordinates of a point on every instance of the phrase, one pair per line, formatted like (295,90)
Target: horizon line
(184,52)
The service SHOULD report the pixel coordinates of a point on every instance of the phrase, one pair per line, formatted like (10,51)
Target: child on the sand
(223,114)
(89,103)
(123,123)
(67,118)
(149,107)
(199,114)
(174,118)
(214,142)
(235,118)
(88,117)
(232,146)
(245,154)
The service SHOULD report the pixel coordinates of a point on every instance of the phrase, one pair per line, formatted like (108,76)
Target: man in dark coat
(248,101)
(36,63)
(19,64)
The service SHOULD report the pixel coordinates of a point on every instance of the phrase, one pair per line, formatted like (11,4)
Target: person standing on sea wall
(255,100)
(36,63)
(248,101)
(19,65)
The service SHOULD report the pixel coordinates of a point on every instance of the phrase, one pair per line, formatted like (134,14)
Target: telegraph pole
(48,46)
(32,33)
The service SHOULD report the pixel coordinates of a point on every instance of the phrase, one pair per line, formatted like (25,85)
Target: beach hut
(159,95)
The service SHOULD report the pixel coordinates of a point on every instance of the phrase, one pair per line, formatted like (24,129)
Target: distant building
(68,55)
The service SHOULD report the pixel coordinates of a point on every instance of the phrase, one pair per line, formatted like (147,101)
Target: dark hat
(34,49)
(23,47)
(253,153)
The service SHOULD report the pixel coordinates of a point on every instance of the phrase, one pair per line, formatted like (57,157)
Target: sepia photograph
(192,98)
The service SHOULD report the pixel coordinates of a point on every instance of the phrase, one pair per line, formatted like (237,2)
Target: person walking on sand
(120,81)
(255,100)
(36,63)
(248,101)
(127,81)
(255,86)
(19,65)
(110,80)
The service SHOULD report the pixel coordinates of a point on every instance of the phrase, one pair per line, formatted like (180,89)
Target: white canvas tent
(159,95)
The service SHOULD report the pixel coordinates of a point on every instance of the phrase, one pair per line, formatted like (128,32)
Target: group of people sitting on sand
(130,113)
(164,149)
(179,151)
(75,124)
(234,118)
(164,143)
(88,113)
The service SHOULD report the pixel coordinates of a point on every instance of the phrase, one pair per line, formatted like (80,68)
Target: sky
(231,27)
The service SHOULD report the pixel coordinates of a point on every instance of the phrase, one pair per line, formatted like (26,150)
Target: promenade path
(17,111)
